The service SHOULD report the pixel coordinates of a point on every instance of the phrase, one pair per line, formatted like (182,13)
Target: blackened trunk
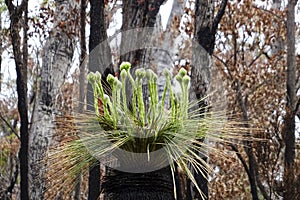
(290,190)
(137,14)
(103,60)
(21,69)
(156,185)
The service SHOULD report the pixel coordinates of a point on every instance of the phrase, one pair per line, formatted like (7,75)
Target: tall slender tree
(17,13)
(291,106)
(97,35)
(82,72)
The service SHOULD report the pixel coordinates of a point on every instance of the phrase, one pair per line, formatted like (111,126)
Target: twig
(9,125)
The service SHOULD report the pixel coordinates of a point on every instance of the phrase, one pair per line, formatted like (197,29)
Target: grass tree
(143,145)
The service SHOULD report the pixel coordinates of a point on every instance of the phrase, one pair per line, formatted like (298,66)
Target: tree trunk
(156,185)
(99,58)
(119,185)
(137,14)
(21,68)
(206,24)
(289,119)
(82,74)
(57,59)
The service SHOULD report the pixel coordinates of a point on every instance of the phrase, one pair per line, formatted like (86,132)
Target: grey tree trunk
(137,14)
(82,74)
(57,58)
(206,25)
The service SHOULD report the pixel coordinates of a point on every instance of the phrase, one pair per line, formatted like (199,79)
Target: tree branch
(10,6)
(238,154)
(219,15)
(270,12)
(16,9)
(259,183)
(9,125)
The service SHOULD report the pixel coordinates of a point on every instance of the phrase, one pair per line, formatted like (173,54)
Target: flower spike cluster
(117,103)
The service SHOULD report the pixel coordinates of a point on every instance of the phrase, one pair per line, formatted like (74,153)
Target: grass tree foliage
(142,139)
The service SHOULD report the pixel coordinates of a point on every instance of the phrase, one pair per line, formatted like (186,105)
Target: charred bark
(137,14)
(100,58)
(56,61)
(290,190)
(156,185)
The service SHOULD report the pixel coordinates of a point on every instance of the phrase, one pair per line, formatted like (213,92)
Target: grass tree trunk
(156,185)
(57,58)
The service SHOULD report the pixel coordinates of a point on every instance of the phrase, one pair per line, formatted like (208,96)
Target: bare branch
(219,15)
(9,125)
(270,12)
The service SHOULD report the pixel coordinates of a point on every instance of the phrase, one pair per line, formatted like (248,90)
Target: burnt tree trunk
(156,185)
(290,190)
(99,58)
(20,57)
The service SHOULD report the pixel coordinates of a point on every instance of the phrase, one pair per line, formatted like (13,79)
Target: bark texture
(137,14)
(56,60)
(155,185)
(289,119)
(206,24)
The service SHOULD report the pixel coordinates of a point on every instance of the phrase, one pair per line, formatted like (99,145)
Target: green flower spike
(152,84)
(184,80)
(140,74)
(182,72)
(185,95)
(112,82)
(168,76)
(118,86)
(125,65)
(123,79)
(95,80)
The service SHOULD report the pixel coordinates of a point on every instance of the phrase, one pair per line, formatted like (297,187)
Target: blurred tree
(292,104)
(258,81)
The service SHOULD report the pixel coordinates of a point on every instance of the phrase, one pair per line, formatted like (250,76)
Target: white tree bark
(56,61)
